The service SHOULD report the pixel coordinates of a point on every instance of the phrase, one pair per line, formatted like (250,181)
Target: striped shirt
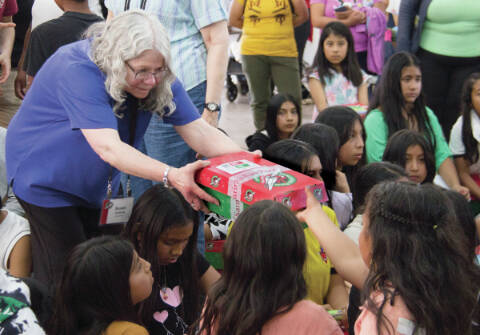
(183,20)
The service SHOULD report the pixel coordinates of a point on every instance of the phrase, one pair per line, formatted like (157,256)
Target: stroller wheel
(232,93)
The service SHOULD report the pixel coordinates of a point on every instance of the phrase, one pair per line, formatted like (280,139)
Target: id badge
(116,210)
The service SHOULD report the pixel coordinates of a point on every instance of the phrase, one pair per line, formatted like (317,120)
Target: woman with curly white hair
(78,127)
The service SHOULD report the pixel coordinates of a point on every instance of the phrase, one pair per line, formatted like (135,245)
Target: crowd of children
(389,252)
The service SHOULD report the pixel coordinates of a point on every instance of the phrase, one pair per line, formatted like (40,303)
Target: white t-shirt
(456,143)
(343,207)
(12,229)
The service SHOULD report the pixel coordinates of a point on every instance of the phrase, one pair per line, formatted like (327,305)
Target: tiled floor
(237,118)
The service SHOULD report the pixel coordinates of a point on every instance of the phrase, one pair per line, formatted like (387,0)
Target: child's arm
(20,258)
(342,251)
(337,296)
(363,94)
(463,166)
(318,94)
(449,174)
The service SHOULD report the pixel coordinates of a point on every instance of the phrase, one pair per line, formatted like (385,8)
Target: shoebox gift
(241,179)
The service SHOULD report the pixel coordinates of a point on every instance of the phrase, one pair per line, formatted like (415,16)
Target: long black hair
(326,142)
(94,290)
(157,210)
(398,144)
(264,257)
(350,66)
(273,107)
(470,143)
(389,98)
(342,119)
(293,154)
(420,254)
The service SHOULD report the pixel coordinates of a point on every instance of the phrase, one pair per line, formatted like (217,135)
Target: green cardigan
(377,137)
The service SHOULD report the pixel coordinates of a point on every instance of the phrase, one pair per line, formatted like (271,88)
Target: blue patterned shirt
(183,20)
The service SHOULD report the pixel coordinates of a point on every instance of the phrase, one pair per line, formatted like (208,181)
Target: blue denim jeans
(163,143)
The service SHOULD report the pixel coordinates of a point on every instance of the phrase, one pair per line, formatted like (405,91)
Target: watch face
(212,106)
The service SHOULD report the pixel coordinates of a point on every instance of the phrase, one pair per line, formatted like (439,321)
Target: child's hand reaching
(313,213)
(341,183)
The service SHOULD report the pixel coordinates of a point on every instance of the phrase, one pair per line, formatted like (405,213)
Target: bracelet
(165,176)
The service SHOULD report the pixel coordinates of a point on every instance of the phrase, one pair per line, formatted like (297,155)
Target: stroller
(235,67)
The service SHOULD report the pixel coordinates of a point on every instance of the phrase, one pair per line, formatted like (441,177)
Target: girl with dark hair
(336,77)
(163,228)
(262,290)
(326,143)
(465,139)
(283,117)
(324,286)
(367,177)
(103,279)
(412,151)
(399,104)
(351,133)
(410,239)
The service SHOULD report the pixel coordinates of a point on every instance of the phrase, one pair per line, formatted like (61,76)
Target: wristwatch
(212,107)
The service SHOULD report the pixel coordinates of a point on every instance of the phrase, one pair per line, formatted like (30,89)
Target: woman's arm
(463,168)
(449,174)
(208,279)
(363,94)
(337,296)
(341,250)
(107,144)
(236,14)
(207,140)
(318,94)
(300,11)
(319,20)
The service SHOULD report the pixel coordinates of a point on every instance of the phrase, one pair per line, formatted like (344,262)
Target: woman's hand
(344,14)
(356,18)
(183,179)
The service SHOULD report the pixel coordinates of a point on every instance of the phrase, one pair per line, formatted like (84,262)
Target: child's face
(172,242)
(335,48)
(351,152)
(415,164)
(315,168)
(287,119)
(411,83)
(476,96)
(141,279)
(364,241)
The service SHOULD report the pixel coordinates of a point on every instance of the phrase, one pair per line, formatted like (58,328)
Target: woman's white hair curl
(123,38)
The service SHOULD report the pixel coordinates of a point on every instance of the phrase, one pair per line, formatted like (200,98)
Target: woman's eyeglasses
(143,75)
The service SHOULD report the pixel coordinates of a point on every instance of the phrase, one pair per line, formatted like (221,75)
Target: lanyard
(132,108)
(127,5)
